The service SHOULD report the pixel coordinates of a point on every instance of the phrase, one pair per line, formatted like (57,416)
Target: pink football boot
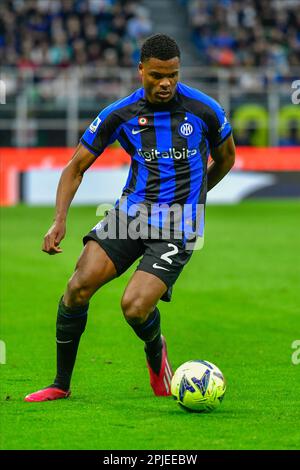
(46,394)
(161,383)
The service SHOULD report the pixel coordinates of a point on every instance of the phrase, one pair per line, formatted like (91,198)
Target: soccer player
(169,129)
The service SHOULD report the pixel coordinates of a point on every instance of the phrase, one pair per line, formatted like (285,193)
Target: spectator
(60,53)
(260,32)
(34,33)
(139,26)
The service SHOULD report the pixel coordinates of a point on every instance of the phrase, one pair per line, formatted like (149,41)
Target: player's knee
(77,293)
(135,309)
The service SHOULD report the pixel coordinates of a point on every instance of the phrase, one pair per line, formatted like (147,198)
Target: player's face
(159,78)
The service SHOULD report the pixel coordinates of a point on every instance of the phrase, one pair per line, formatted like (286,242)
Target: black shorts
(163,258)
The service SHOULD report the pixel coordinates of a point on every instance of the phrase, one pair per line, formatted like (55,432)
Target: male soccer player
(169,130)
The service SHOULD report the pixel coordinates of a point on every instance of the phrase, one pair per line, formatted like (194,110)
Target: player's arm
(69,182)
(223,158)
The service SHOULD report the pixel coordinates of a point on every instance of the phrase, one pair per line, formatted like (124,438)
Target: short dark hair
(159,46)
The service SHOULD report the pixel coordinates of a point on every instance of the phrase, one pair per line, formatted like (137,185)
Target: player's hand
(53,238)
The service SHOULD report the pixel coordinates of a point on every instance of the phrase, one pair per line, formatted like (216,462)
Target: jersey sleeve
(101,132)
(218,127)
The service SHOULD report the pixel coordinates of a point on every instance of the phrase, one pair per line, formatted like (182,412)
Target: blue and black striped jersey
(169,144)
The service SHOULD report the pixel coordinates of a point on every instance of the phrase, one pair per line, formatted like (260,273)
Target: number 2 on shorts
(166,256)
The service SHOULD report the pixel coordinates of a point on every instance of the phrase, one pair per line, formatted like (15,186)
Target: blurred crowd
(109,32)
(246,33)
(35,33)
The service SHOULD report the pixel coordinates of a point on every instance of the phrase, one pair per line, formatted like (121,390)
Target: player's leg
(156,274)
(105,256)
(139,307)
(93,269)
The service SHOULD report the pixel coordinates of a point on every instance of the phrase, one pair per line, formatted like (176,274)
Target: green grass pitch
(236,304)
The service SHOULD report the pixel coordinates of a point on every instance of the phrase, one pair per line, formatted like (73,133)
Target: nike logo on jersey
(137,131)
(156,266)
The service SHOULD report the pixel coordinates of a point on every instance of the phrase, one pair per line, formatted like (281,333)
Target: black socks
(70,325)
(149,331)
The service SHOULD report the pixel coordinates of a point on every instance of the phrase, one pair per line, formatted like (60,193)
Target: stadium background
(237,303)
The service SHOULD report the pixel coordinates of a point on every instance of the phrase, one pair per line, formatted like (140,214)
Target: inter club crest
(186,129)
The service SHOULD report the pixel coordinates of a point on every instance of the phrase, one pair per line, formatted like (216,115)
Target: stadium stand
(249,33)
(63,60)
(36,33)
